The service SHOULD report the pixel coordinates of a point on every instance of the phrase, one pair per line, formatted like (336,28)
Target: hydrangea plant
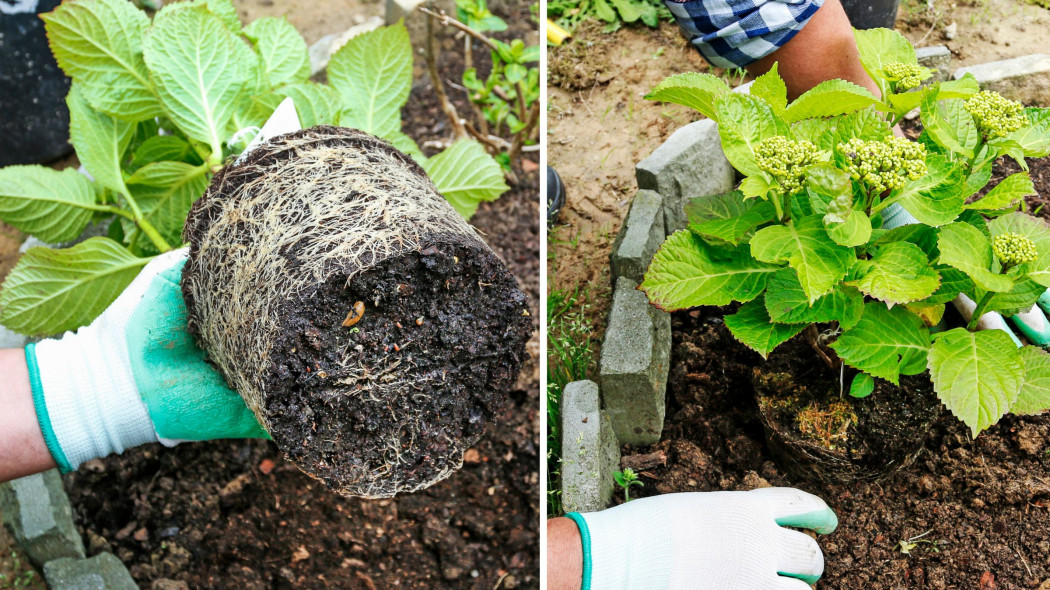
(802,240)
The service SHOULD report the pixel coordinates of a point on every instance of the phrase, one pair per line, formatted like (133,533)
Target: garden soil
(235,514)
(969,514)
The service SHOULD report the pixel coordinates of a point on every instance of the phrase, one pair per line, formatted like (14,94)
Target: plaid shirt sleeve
(735,33)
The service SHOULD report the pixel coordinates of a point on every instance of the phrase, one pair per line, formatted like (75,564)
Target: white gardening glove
(706,541)
(1032,323)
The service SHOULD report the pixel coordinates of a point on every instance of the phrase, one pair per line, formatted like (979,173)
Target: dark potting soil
(439,343)
(981,507)
(819,432)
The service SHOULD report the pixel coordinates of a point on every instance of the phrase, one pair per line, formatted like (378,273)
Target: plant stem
(777,206)
(146,227)
(439,86)
(448,20)
(979,310)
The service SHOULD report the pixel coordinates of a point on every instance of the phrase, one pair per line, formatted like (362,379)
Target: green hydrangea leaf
(923,236)
(953,282)
(937,198)
(976,374)
(373,75)
(752,326)
(406,144)
(963,88)
(854,231)
(862,386)
(771,88)
(165,191)
(805,245)
(1021,298)
(99,44)
(1034,397)
(743,122)
(964,247)
(867,124)
(756,186)
(199,68)
(1007,193)
(881,47)
(51,205)
(885,343)
(949,124)
(99,139)
(51,291)
(1031,141)
(686,272)
(466,175)
(281,50)
(316,104)
(727,217)
(899,272)
(787,303)
(1034,229)
(828,99)
(699,92)
(163,147)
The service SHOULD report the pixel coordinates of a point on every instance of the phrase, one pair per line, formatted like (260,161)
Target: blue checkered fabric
(735,33)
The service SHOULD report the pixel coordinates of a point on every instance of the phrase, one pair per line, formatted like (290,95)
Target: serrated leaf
(164,147)
(99,43)
(1034,397)
(1034,229)
(199,68)
(930,313)
(281,50)
(744,122)
(854,231)
(466,175)
(756,186)
(99,139)
(770,87)
(1021,298)
(316,104)
(862,386)
(697,91)
(787,303)
(964,247)
(1007,193)
(964,88)
(923,236)
(828,99)
(938,197)
(950,124)
(51,291)
(687,272)
(953,282)
(899,272)
(885,343)
(373,75)
(752,326)
(805,245)
(865,124)
(51,205)
(976,374)
(727,217)
(165,191)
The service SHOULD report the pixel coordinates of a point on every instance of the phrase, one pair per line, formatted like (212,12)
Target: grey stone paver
(640,236)
(36,511)
(590,451)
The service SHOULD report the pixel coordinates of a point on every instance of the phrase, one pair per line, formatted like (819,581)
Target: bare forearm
(823,50)
(22,448)
(564,555)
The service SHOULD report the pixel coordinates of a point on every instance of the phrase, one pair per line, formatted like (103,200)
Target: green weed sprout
(996,116)
(786,160)
(626,479)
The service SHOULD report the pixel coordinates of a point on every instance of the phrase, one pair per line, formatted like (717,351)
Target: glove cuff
(86,399)
(585,541)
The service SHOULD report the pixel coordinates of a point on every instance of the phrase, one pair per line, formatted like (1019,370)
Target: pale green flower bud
(996,116)
(1012,249)
(786,160)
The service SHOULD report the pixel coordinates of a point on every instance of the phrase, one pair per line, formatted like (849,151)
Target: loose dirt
(968,514)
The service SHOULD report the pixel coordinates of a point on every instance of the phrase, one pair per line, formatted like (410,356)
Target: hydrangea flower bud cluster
(884,164)
(907,76)
(996,116)
(786,160)
(1012,249)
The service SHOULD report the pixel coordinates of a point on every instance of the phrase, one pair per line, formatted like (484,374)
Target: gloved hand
(1032,323)
(716,540)
(133,376)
